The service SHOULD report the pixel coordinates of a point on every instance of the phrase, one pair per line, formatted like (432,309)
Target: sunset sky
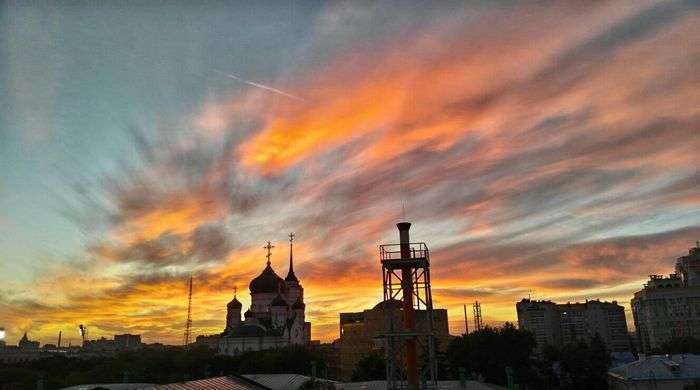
(543,149)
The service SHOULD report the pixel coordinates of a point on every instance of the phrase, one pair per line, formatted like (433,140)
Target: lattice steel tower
(188,323)
(477,316)
(410,339)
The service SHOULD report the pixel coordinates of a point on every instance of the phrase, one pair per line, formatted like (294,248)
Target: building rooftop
(659,281)
(685,366)
(280,381)
(549,302)
(231,382)
(442,385)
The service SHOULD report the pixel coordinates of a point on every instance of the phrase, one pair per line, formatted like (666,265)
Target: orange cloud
(509,146)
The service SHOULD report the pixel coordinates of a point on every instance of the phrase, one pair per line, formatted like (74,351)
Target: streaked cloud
(539,150)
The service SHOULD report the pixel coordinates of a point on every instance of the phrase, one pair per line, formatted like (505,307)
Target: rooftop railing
(416,250)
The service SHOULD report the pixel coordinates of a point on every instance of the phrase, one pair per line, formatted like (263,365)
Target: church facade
(276,317)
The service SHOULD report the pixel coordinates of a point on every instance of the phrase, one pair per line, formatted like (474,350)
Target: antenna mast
(477,315)
(188,324)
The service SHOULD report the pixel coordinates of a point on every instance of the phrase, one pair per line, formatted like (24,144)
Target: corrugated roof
(222,382)
(110,386)
(279,381)
(442,385)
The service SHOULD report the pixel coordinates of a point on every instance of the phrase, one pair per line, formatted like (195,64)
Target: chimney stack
(405,239)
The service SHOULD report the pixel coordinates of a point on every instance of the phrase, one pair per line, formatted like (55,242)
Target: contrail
(258,85)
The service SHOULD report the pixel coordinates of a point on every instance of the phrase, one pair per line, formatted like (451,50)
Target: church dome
(268,282)
(234,304)
(247,314)
(278,301)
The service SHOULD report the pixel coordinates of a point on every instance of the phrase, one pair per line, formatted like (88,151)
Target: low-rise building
(26,344)
(358,332)
(210,341)
(127,341)
(331,355)
(14,354)
(669,307)
(559,324)
(658,372)
(100,345)
(107,346)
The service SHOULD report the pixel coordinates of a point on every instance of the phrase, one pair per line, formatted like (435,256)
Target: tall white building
(669,307)
(276,317)
(558,324)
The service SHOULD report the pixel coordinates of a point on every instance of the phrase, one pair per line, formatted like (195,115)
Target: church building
(276,314)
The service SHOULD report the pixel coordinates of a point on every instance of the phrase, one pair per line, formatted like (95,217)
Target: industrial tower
(188,324)
(83,333)
(477,316)
(410,351)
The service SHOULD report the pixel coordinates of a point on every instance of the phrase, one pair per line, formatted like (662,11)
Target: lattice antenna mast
(477,315)
(188,324)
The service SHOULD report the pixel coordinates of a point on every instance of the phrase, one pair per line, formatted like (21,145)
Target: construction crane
(188,324)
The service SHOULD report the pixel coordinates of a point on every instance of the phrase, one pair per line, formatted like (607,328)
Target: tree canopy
(369,368)
(156,365)
(489,351)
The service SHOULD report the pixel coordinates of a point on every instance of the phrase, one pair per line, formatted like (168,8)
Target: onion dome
(234,304)
(268,282)
(298,305)
(278,302)
(247,314)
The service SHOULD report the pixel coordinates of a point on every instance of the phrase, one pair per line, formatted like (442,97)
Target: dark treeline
(485,354)
(481,355)
(162,365)
(680,345)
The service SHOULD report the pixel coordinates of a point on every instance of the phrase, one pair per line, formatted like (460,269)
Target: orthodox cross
(235,290)
(291,237)
(269,247)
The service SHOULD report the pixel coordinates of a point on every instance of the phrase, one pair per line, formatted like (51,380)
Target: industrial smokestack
(405,239)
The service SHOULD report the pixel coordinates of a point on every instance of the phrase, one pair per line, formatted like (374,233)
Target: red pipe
(408,311)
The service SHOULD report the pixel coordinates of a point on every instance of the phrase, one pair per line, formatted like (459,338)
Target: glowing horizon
(539,150)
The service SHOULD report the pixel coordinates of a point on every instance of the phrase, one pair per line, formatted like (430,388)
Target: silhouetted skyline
(541,150)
